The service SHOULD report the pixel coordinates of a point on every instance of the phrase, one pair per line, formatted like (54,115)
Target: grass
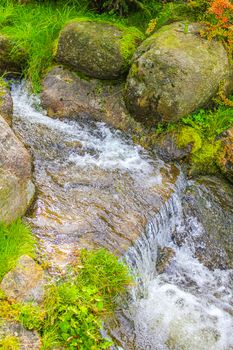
(15,240)
(75,307)
(34,29)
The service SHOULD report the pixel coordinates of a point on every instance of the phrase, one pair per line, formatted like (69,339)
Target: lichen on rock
(175,72)
(98,49)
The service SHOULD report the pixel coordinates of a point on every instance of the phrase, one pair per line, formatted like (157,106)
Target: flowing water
(95,188)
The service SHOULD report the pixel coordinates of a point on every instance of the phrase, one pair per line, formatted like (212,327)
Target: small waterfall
(93,181)
(187,307)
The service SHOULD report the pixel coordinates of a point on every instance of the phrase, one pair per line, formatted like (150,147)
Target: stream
(96,188)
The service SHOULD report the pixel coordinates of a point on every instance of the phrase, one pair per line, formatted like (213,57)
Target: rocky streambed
(95,188)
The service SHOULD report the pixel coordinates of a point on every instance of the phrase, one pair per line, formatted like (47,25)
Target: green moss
(130,40)
(187,135)
(204,160)
(10,343)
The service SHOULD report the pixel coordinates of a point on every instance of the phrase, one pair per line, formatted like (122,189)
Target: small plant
(76,308)
(15,240)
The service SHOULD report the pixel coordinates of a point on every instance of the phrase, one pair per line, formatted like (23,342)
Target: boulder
(14,336)
(174,72)
(16,187)
(24,283)
(8,64)
(6,102)
(208,213)
(97,49)
(66,95)
(225,159)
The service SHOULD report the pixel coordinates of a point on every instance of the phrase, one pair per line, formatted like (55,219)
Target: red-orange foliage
(220,22)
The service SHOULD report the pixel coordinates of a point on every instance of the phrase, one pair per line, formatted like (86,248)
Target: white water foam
(188,307)
(103,147)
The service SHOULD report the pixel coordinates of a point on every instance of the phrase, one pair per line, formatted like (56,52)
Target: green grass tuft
(76,308)
(15,240)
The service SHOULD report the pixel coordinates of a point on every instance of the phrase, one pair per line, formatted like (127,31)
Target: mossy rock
(8,63)
(97,49)
(225,159)
(175,72)
(24,283)
(16,187)
(6,102)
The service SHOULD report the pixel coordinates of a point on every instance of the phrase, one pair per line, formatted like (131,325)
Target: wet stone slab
(94,187)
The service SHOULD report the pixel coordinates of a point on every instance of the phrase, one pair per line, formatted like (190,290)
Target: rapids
(96,188)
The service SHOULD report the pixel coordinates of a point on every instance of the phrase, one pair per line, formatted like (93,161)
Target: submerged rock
(165,256)
(97,49)
(66,95)
(174,72)
(208,213)
(25,283)
(225,160)
(6,103)
(16,187)
(25,339)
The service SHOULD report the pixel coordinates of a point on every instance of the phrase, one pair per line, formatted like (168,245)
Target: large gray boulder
(16,187)
(174,72)
(97,49)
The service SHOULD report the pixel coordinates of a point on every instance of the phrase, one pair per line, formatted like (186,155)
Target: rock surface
(16,187)
(66,95)
(27,340)
(24,283)
(97,49)
(225,160)
(208,210)
(95,188)
(167,147)
(174,72)
(6,103)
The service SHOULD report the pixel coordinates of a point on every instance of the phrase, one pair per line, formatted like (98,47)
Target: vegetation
(15,240)
(75,307)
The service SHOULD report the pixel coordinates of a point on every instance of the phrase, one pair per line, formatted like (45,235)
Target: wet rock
(25,283)
(16,187)
(7,63)
(167,147)
(25,339)
(165,256)
(168,67)
(98,195)
(97,49)
(225,160)
(6,103)
(66,95)
(208,212)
